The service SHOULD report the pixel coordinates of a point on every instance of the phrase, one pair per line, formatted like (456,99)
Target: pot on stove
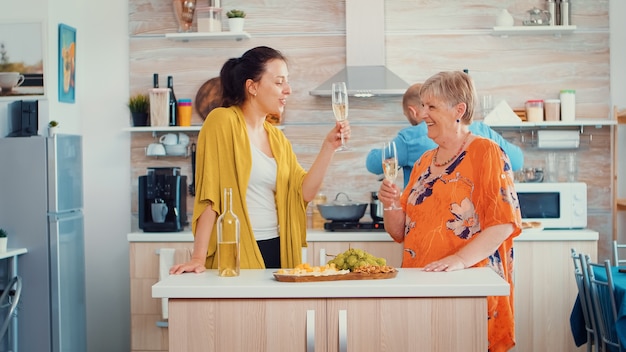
(342,210)
(376,208)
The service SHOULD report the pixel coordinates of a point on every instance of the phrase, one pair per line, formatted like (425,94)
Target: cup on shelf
(169,139)
(155,149)
(176,149)
(183,139)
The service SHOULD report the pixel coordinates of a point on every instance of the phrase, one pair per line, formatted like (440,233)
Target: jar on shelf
(209,19)
(534,110)
(568,105)
(552,109)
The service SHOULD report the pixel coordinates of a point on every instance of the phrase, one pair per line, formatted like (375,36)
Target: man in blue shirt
(412,142)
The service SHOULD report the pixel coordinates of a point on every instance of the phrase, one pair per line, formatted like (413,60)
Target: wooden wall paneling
(422,37)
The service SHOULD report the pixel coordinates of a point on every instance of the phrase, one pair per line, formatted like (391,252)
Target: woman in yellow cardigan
(238,149)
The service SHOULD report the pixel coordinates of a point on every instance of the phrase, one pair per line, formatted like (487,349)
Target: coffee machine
(163,200)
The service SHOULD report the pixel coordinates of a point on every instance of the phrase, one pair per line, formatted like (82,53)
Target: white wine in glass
(340,106)
(390,165)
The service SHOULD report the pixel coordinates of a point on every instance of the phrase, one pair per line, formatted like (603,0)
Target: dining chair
(605,308)
(582,282)
(617,248)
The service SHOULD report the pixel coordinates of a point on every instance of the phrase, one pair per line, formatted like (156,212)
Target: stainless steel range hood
(365,73)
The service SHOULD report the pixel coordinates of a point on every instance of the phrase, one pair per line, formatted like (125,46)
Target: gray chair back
(605,308)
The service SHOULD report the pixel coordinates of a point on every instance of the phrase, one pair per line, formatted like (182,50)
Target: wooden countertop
(474,282)
(374,236)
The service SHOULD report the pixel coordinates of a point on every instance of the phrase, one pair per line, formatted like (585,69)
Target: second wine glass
(340,106)
(390,165)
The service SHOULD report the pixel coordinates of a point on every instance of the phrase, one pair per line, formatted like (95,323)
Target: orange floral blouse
(446,211)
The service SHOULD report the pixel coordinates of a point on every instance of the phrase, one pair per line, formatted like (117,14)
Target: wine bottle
(228,238)
(155,80)
(173,102)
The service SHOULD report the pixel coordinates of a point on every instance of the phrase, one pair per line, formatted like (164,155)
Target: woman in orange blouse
(460,208)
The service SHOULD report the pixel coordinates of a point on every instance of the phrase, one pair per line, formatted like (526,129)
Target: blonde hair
(452,87)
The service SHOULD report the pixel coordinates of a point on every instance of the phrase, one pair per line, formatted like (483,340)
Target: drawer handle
(310,330)
(343,331)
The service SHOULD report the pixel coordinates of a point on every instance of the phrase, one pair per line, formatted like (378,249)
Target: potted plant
(3,240)
(52,128)
(235,20)
(139,105)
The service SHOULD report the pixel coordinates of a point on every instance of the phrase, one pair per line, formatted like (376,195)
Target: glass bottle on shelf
(173,104)
(228,238)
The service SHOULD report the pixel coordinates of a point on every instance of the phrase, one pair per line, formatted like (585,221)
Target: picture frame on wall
(67,63)
(22,59)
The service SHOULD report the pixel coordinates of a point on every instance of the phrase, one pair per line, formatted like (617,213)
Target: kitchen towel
(166,261)
(502,114)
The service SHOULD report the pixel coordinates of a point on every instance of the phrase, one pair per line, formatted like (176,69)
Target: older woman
(239,149)
(461,208)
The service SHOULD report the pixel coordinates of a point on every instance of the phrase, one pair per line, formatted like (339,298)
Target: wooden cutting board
(348,276)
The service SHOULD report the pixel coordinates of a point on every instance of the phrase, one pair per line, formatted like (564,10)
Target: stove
(354,226)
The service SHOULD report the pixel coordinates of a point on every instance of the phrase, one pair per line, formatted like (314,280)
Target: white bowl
(176,149)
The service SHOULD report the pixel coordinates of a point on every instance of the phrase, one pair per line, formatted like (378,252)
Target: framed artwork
(67,63)
(22,59)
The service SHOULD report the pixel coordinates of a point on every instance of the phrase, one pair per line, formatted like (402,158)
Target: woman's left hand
(449,263)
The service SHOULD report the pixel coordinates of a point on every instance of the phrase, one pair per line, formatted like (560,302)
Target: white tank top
(260,197)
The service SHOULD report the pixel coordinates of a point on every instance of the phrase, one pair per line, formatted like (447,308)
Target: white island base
(416,311)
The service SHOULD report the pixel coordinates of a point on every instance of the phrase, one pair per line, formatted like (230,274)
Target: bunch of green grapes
(354,258)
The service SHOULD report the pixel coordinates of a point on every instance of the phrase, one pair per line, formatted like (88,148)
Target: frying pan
(345,210)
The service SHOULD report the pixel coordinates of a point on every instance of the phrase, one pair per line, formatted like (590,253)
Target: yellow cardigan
(224,160)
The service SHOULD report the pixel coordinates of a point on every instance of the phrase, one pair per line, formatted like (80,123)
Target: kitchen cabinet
(254,312)
(544,293)
(148,329)
(619,193)
(545,289)
(358,324)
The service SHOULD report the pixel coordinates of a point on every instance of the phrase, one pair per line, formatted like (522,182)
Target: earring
(254,95)
(457,120)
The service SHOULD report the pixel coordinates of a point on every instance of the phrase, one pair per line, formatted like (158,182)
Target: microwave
(558,205)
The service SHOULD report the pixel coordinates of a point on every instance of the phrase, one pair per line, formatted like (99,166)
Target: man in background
(412,142)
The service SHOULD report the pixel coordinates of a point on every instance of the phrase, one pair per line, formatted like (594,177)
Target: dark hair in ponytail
(236,71)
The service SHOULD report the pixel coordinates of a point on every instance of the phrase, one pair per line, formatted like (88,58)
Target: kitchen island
(254,312)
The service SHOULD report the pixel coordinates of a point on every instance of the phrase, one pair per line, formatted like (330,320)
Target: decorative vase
(184,11)
(3,244)
(52,131)
(140,118)
(236,24)
(505,19)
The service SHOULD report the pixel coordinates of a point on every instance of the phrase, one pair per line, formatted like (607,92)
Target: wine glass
(390,165)
(340,106)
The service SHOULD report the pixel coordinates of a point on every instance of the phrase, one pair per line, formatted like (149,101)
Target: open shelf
(533,30)
(575,123)
(185,37)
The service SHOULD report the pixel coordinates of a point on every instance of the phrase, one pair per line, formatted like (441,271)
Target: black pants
(270,250)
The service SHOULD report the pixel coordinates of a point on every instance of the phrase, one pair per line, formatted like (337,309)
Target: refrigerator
(41,207)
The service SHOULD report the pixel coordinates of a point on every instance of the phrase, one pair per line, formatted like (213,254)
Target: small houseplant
(52,128)
(235,20)
(139,105)
(3,240)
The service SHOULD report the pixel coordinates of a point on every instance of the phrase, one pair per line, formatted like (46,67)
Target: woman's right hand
(192,266)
